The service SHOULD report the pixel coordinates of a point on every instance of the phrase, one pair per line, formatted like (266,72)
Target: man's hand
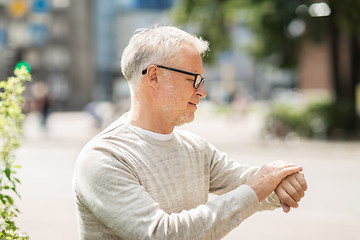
(267,179)
(290,190)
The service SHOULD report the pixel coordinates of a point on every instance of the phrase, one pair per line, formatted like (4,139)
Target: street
(330,209)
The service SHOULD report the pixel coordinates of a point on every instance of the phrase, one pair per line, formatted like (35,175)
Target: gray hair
(157,45)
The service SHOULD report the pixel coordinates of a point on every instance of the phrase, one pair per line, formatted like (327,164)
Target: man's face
(179,99)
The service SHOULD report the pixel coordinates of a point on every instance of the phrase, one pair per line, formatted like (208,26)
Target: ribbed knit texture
(128,185)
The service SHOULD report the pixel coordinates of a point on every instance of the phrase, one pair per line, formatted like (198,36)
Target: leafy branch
(11,119)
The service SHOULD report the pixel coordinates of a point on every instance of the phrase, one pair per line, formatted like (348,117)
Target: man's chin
(188,118)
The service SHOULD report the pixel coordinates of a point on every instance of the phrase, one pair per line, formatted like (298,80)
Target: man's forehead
(190,58)
(188,47)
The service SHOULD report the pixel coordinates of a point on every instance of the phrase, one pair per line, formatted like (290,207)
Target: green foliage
(269,20)
(311,119)
(348,16)
(279,27)
(213,19)
(11,119)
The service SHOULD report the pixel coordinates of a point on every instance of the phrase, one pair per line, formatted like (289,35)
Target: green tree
(11,119)
(271,22)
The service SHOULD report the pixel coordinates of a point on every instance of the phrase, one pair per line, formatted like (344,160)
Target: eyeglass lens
(198,81)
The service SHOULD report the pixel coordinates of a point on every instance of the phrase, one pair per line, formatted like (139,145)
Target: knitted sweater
(128,185)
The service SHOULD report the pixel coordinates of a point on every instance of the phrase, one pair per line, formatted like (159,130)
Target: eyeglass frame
(196,86)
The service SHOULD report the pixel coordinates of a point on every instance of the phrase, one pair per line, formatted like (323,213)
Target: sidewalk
(47,160)
(330,209)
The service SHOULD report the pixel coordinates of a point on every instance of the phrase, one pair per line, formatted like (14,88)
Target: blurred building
(114,22)
(49,35)
(73,47)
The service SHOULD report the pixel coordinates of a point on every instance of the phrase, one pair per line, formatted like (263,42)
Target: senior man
(141,178)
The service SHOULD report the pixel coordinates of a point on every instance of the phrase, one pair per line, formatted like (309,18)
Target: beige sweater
(128,185)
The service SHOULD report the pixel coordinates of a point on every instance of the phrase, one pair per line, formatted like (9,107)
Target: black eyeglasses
(198,79)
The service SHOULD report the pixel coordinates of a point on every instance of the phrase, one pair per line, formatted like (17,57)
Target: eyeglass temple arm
(171,69)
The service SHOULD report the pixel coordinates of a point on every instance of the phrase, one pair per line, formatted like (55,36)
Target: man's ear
(152,76)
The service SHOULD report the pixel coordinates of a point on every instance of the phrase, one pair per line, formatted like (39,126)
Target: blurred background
(303,56)
(282,79)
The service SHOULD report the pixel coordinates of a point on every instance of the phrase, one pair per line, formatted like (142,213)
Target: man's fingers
(290,170)
(285,208)
(284,164)
(301,180)
(268,178)
(291,189)
(296,186)
(286,198)
(293,192)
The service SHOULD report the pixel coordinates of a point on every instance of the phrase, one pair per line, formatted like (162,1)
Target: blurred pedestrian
(42,102)
(143,179)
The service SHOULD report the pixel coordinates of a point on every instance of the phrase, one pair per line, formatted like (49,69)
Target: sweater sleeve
(113,194)
(227,174)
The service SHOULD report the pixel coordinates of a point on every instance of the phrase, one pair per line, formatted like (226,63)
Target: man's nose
(201,91)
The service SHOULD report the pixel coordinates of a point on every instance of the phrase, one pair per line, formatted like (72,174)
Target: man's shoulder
(116,133)
(188,136)
(117,125)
